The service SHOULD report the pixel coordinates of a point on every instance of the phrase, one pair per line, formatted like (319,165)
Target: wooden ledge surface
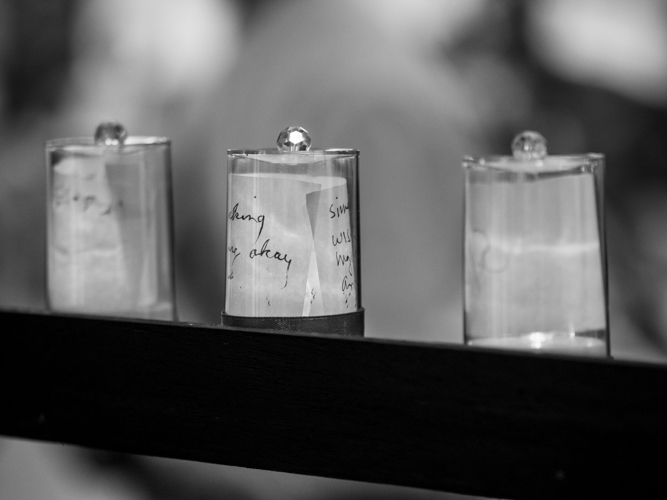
(450,418)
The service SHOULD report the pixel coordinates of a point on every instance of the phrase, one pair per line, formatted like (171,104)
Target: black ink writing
(91,202)
(337,211)
(235,215)
(265,251)
(347,287)
(342,237)
(235,252)
(342,260)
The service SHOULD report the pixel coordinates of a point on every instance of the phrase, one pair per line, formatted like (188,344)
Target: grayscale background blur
(413,84)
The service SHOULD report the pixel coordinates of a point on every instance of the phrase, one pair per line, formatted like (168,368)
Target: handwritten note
(332,235)
(289,246)
(87,260)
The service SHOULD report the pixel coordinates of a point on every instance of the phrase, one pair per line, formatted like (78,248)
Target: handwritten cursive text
(234,215)
(265,251)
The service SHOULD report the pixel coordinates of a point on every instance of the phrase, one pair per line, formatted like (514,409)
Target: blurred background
(413,84)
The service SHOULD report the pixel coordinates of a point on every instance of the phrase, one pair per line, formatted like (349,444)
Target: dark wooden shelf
(441,417)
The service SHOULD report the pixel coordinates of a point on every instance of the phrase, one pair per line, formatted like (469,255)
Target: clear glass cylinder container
(109,227)
(535,258)
(293,236)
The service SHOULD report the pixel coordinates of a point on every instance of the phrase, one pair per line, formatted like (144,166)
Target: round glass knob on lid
(294,139)
(529,145)
(110,134)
